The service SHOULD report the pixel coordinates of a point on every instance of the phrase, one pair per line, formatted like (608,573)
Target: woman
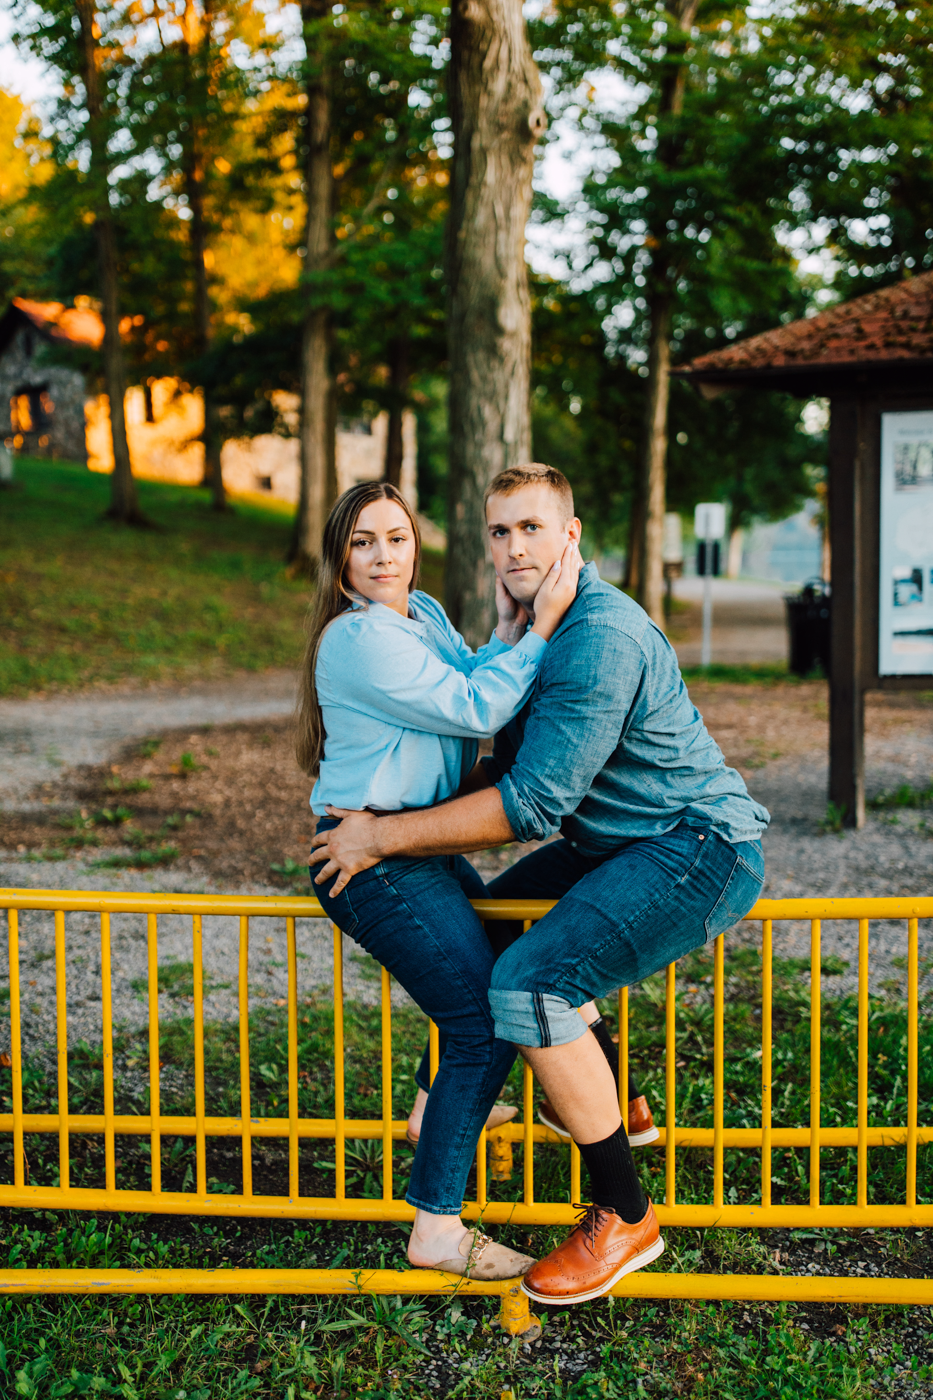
(393,705)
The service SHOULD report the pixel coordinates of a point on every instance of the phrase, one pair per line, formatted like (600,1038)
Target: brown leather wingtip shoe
(640,1127)
(600,1249)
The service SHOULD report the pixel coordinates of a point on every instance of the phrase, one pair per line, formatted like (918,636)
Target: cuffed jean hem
(433,1209)
(535,1019)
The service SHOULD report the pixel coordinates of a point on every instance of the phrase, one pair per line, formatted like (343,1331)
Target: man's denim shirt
(609,747)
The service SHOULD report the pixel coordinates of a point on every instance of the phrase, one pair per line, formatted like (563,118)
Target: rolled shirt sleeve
(579,716)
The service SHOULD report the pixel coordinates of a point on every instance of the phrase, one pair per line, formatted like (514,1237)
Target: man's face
(527,533)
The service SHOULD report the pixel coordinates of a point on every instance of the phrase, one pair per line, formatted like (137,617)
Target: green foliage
(904,796)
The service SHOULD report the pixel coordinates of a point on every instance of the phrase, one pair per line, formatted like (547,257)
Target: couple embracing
(595,739)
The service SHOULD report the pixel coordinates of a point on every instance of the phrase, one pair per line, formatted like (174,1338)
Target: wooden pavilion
(872,357)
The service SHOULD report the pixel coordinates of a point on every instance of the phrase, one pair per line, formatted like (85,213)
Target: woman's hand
(513,619)
(557,592)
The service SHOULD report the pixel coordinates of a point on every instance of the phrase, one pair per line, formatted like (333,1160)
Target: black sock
(613,1178)
(611,1052)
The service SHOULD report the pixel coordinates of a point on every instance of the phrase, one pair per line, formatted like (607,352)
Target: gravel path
(892,855)
(41,736)
(882,859)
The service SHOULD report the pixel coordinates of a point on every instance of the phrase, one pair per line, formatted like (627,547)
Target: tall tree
(497,116)
(690,181)
(123,500)
(318,408)
(198,46)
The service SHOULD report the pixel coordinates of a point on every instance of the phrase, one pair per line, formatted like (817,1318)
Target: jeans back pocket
(741,891)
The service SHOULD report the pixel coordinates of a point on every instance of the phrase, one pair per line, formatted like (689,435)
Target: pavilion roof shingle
(893,324)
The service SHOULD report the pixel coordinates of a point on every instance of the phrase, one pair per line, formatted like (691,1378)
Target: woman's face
(382,555)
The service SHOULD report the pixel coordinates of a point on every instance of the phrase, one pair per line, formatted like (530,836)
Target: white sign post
(709,524)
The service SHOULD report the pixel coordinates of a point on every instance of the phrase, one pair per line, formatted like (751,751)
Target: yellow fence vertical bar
(766,1062)
(246,1131)
(718,1067)
(340,1130)
(16,1052)
(862,1190)
(433,1051)
(61,1029)
(623,1054)
(481,1170)
(386,1085)
(576,1190)
(155,1105)
(670,1080)
(528,1109)
(816,992)
(912,1065)
(106,993)
(293,1185)
(200,1147)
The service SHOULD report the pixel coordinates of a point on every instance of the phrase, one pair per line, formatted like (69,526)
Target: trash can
(809,616)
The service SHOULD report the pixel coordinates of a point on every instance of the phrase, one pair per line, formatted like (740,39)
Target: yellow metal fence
(494,1151)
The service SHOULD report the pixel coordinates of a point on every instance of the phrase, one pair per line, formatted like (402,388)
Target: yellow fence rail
(494,1150)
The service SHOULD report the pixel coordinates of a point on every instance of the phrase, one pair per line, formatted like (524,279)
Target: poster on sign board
(905,614)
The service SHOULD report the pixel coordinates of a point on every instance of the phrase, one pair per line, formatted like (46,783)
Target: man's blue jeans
(415,918)
(620,918)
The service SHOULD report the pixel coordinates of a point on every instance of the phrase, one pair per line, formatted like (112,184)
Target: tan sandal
(487,1261)
(501,1113)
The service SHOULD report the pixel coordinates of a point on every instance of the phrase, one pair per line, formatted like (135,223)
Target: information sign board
(905,613)
(709,520)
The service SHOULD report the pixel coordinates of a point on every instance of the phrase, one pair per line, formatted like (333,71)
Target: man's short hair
(532,474)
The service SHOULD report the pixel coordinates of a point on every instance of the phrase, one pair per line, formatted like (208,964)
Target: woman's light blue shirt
(404,702)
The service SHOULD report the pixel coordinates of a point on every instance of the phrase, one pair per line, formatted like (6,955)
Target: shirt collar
(384,614)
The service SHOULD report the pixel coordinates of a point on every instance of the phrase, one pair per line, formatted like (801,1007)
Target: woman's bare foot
(444,1242)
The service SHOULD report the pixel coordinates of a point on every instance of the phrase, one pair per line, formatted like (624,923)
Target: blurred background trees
(275,186)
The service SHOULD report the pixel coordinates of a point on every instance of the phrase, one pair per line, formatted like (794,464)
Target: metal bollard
(515,1316)
(500,1156)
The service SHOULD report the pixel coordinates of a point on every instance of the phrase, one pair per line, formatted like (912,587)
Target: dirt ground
(228,801)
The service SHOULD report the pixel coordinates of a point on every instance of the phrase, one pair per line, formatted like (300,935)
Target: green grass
(765,673)
(292,1348)
(84,601)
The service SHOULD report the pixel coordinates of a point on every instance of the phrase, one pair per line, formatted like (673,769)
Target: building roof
(888,331)
(68,325)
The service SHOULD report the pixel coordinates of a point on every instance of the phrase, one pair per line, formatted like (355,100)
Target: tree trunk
(197,39)
(653,460)
(633,552)
(318,407)
(496,111)
(123,500)
(734,555)
(399,374)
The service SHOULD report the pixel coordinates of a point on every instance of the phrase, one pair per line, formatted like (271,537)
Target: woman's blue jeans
(415,918)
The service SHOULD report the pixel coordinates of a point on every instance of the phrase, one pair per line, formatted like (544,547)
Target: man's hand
(348,848)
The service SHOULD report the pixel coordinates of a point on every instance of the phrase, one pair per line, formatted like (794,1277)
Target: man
(660,852)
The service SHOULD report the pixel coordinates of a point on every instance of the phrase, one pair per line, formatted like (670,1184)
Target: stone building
(47,411)
(42,404)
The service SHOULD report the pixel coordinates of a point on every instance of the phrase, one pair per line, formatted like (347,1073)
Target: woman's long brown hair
(332,596)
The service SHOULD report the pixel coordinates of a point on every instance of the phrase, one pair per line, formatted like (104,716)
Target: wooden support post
(846,684)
